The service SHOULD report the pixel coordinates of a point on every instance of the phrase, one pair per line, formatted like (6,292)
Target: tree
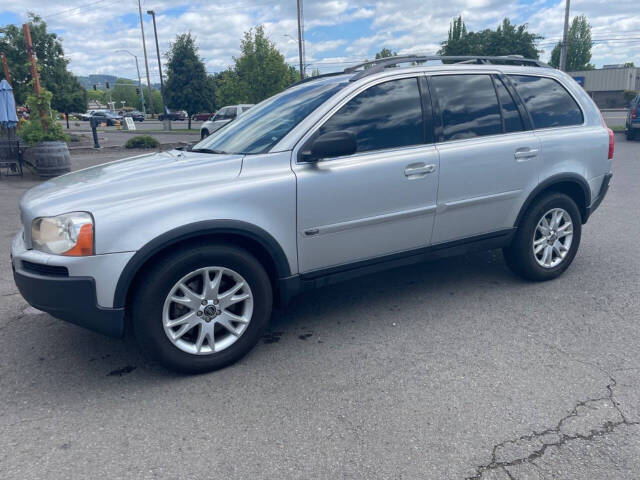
(125,89)
(158,105)
(507,39)
(261,68)
(579,45)
(70,96)
(384,53)
(52,65)
(228,89)
(187,86)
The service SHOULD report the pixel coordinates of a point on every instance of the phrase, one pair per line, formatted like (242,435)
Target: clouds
(336,31)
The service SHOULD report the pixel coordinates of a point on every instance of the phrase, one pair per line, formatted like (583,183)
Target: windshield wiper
(208,150)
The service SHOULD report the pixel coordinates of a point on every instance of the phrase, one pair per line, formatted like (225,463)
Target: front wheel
(204,133)
(547,239)
(203,308)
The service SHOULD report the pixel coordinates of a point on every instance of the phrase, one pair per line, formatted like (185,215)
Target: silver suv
(337,176)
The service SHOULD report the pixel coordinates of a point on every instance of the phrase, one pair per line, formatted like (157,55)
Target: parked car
(107,117)
(337,176)
(221,118)
(135,115)
(173,115)
(202,117)
(87,116)
(632,125)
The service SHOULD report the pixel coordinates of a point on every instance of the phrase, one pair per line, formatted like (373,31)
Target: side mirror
(333,144)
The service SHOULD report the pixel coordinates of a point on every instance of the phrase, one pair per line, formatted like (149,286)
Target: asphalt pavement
(448,370)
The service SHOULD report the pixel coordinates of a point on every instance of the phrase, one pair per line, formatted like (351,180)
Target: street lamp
(144,110)
(155,33)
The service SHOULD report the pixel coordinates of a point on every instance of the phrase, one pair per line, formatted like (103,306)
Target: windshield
(264,125)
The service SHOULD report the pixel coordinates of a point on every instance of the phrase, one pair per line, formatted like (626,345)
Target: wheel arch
(572,185)
(256,240)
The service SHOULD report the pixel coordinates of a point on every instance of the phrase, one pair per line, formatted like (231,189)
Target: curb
(120,148)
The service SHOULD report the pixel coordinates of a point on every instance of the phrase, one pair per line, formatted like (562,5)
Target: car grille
(50,270)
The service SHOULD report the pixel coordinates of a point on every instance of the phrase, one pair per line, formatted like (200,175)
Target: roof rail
(315,77)
(374,66)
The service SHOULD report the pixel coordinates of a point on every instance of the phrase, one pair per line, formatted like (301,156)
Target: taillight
(611,144)
(634,112)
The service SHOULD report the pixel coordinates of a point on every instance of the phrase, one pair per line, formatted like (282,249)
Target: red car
(202,117)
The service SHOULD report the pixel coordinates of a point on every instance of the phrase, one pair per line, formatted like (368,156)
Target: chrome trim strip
(362,222)
(478,200)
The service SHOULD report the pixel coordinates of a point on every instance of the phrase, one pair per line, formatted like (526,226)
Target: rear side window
(510,113)
(468,106)
(387,115)
(549,104)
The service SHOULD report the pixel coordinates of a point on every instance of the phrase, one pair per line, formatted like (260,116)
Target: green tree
(158,106)
(228,89)
(579,45)
(125,89)
(188,86)
(384,53)
(52,65)
(70,96)
(261,68)
(507,39)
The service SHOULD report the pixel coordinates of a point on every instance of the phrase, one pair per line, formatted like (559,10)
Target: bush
(142,141)
(41,129)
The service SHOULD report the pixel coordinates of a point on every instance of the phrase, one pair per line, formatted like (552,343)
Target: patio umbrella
(8,117)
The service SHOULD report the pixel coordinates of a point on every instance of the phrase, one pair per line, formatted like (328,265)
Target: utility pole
(300,45)
(565,38)
(7,76)
(155,33)
(146,63)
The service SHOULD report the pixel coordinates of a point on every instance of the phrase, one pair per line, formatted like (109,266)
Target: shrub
(142,141)
(41,129)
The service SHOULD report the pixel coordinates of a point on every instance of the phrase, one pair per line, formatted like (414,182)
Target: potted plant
(47,150)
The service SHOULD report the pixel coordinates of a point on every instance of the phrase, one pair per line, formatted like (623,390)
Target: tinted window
(387,115)
(510,113)
(549,104)
(468,106)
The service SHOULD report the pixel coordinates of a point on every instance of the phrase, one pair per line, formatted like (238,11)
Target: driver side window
(386,115)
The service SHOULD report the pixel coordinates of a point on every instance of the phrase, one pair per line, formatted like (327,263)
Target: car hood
(128,182)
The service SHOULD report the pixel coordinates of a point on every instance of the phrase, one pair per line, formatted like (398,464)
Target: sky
(338,33)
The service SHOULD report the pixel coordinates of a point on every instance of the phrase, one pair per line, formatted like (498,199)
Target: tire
(150,312)
(204,133)
(631,135)
(520,255)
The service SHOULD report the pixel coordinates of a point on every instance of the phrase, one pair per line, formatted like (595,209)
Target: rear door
(487,155)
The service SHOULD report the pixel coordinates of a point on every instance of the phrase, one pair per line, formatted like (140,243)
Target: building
(607,86)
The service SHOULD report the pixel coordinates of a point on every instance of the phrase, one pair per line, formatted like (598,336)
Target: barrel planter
(49,159)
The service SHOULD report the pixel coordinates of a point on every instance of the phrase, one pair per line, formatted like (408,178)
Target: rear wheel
(203,308)
(547,239)
(630,134)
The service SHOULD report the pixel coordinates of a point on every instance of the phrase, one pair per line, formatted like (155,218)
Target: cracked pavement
(450,370)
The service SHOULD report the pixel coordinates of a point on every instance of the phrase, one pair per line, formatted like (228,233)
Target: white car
(221,118)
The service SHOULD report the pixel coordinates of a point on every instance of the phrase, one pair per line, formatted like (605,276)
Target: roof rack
(365,69)
(374,66)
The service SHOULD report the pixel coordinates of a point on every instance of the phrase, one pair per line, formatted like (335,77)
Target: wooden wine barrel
(50,159)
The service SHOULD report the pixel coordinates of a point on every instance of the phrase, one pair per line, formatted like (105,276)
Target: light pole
(146,63)
(155,33)
(300,39)
(565,38)
(303,66)
(144,110)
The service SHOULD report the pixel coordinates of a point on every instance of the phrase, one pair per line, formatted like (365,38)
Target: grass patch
(618,128)
(142,141)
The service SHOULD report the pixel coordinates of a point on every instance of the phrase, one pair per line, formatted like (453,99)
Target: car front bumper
(75,289)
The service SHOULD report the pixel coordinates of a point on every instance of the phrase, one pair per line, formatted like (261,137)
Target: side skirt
(289,287)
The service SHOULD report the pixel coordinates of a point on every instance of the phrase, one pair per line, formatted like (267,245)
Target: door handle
(418,170)
(524,153)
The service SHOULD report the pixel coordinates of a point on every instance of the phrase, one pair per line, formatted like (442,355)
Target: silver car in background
(341,175)
(222,117)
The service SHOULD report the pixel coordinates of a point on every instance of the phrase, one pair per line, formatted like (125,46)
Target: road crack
(577,425)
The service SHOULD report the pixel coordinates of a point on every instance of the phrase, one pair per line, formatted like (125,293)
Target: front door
(380,200)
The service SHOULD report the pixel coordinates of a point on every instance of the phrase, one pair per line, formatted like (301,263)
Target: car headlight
(68,234)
